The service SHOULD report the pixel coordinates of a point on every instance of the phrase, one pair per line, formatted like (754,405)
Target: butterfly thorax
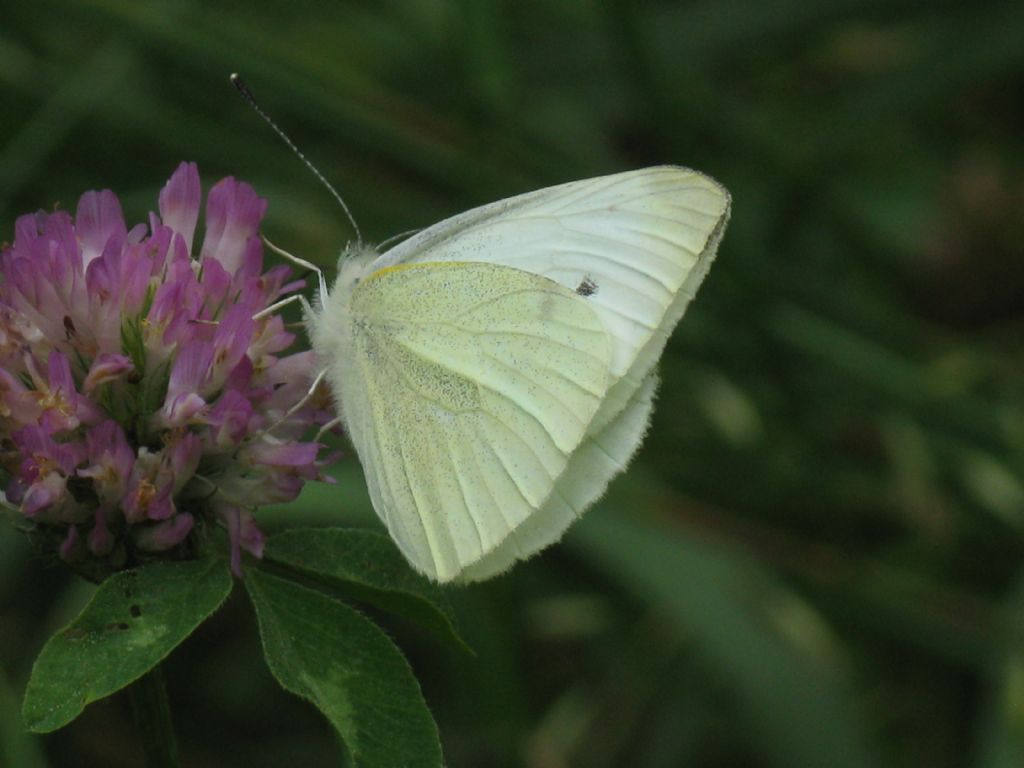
(330,321)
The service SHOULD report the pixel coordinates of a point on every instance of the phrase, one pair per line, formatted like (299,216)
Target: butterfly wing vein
(469,424)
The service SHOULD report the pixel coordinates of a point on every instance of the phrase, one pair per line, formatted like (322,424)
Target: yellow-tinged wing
(636,244)
(468,388)
(601,456)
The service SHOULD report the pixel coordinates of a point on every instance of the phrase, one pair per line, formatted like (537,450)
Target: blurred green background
(816,559)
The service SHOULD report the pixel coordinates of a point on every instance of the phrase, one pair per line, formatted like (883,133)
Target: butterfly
(495,371)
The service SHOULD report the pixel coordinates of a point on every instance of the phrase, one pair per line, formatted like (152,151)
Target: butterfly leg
(335,422)
(321,283)
(279,305)
(317,381)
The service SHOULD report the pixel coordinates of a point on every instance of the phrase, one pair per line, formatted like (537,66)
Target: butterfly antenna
(243,89)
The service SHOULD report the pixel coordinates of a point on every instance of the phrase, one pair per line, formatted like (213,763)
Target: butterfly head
(354,264)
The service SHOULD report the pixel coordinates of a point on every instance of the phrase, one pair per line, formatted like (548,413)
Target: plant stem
(152,713)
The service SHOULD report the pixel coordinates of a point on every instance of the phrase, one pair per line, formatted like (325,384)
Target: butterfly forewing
(477,383)
(628,242)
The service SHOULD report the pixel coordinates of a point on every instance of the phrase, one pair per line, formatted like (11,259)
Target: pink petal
(105,368)
(97,219)
(100,540)
(179,202)
(17,403)
(69,546)
(191,369)
(242,534)
(183,456)
(230,418)
(180,410)
(43,494)
(233,215)
(112,461)
(165,535)
(283,454)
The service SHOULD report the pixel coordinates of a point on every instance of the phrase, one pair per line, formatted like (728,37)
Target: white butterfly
(496,371)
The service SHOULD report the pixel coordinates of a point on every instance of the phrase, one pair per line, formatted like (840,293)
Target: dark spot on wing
(135,611)
(587,287)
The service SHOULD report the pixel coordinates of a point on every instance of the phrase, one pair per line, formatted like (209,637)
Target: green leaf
(17,747)
(133,344)
(328,653)
(367,566)
(758,638)
(133,621)
(1002,721)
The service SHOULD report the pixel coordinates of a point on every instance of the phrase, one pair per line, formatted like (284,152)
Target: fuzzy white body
(497,370)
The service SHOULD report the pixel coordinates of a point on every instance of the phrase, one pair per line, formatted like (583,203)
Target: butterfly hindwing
(600,457)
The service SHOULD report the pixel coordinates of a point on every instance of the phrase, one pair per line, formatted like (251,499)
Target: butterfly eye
(587,287)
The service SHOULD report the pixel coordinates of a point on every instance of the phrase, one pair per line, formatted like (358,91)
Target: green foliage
(760,637)
(133,621)
(17,746)
(328,653)
(316,646)
(1002,743)
(367,566)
